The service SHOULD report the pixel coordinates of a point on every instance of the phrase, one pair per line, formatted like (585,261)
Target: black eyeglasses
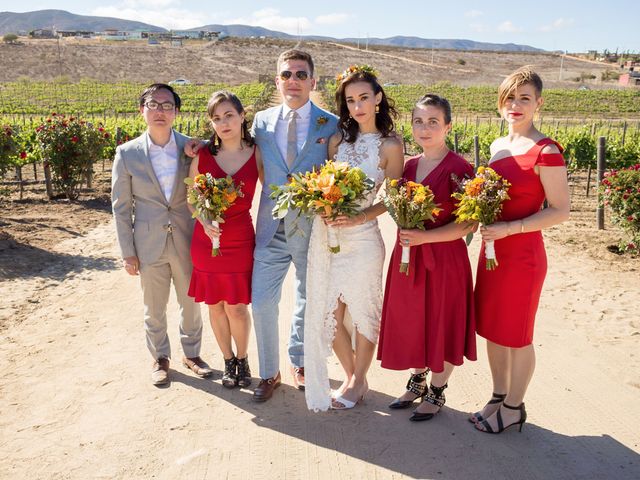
(300,75)
(166,106)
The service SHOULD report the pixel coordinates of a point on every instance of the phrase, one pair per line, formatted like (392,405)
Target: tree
(10,38)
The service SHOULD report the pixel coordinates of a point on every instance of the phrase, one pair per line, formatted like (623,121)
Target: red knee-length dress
(227,276)
(427,316)
(507,298)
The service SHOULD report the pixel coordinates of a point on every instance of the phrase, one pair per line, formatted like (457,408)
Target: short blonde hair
(522,76)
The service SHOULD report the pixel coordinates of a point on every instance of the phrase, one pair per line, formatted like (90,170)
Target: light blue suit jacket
(322,125)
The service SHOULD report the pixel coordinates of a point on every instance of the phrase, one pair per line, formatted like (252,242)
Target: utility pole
(561,65)
(367,46)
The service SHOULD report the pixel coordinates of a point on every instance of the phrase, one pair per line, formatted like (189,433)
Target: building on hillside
(187,34)
(630,79)
(75,33)
(42,33)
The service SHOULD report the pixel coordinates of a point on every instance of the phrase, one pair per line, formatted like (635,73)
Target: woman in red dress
(427,316)
(507,298)
(224,282)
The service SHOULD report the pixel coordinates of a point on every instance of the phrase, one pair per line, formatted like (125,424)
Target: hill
(62,20)
(241,60)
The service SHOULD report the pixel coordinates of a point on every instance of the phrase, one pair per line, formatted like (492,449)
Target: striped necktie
(292,138)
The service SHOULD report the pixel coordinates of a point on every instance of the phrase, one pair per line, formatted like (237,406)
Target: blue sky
(552,25)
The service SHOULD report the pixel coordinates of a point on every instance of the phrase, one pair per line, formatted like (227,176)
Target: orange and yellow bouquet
(210,198)
(410,204)
(480,200)
(334,189)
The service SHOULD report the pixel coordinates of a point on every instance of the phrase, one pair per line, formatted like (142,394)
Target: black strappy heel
(501,427)
(495,398)
(434,396)
(417,385)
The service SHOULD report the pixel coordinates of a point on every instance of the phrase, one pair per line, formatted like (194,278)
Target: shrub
(69,146)
(10,38)
(7,148)
(461,61)
(620,191)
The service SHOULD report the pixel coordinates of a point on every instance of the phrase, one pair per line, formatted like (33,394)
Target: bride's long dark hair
(385,116)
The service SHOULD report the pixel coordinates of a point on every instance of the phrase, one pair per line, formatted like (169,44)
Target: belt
(168,228)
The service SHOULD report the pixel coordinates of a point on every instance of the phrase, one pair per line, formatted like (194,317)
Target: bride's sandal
(486,428)
(417,385)
(341,403)
(434,396)
(496,399)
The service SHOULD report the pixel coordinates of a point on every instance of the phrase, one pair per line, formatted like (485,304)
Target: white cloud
(473,13)
(332,19)
(270,18)
(171,18)
(508,27)
(558,24)
(155,4)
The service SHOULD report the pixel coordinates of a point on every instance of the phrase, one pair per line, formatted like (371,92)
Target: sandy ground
(76,400)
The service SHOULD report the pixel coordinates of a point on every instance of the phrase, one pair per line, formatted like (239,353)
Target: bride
(349,283)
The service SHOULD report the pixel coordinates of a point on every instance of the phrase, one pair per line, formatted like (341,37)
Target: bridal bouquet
(210,198)
(335,189)
(410,204)
(480,200)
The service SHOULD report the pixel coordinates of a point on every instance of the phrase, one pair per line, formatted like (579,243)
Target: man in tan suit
(154,228)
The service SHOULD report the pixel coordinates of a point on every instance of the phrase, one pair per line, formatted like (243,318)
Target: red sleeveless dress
(227,276)
(507,298)
(427,316)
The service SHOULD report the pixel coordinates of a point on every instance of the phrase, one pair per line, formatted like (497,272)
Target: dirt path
(77,401)
(404,59)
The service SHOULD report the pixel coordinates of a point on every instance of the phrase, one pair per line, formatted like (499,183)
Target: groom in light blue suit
(293,137)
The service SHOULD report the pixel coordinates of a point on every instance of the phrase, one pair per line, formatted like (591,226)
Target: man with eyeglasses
(293,138)
(154,228)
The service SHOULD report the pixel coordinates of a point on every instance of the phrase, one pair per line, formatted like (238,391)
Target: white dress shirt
(165,163)
(302,127)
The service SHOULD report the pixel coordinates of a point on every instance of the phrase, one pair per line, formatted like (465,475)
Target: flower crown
(356,69)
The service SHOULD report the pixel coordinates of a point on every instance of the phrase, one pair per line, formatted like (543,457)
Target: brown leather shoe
(160,372)
(197,366)
(265,388)
(298,377)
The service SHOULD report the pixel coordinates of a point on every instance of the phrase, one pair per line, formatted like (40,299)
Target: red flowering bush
(7,148)
(620,191)
(70,146)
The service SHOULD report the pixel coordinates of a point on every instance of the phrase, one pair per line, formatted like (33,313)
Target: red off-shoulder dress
(506,298)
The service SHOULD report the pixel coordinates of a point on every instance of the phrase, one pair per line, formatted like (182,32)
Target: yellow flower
(481,170)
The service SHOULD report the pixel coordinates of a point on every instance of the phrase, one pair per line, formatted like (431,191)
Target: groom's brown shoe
(265,388)
(160,372)
(197,366)
(298,377)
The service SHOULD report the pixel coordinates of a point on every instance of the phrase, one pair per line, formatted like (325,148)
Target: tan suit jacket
(141,211)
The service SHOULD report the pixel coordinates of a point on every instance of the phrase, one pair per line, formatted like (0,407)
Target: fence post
(47,179)
(502,127)
(188,128)
(455,142)
(602,150)
(588,179)
(624,132)
(476,151)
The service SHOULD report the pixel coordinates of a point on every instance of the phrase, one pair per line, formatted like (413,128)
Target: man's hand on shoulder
(193,146)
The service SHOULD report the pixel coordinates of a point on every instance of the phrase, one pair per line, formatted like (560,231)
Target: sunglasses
(166,106)
(300,75)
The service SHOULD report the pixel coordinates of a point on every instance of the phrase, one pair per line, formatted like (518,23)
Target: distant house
(42,33)
(75,33)
(630,79)
(187,34)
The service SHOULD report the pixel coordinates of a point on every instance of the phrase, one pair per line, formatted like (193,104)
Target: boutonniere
(321,140)
(321,120)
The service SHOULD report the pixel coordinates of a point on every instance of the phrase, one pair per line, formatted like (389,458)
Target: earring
(377,108)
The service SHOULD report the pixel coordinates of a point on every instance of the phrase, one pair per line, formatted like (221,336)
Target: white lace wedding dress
(353,275)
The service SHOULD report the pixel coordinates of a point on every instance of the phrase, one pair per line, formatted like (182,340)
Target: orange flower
(474,187)
(333,194)
(231,196)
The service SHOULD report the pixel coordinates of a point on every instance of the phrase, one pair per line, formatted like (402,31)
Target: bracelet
(521,225)
(364,217)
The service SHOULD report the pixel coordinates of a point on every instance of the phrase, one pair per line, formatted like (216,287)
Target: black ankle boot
(244,373)
(230,377)
(435,396)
